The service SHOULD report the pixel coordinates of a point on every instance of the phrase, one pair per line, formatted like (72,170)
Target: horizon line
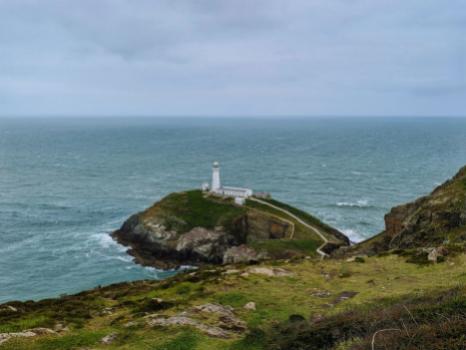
(211,116)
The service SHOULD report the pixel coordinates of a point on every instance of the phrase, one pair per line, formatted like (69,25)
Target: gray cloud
(232,57)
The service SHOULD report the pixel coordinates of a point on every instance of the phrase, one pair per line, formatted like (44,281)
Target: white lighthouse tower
(216,186)
(239,194)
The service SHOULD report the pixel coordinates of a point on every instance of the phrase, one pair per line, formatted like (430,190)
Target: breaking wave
(353,235)
(361,203)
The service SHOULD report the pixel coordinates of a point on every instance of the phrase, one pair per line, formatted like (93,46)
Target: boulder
(207,244)
(241,254)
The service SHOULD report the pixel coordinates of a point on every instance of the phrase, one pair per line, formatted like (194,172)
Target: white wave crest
(106,241)
(353,235)
(361,203)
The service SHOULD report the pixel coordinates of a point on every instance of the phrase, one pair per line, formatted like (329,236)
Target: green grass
(187,340)
(306,217)
(186,210)
(301,231)
(429,322)
(234,299)
(279,247)
(381,283)
(66,342)
(20,324)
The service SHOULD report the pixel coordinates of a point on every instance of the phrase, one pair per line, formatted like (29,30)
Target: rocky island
(196,227)
(402,289)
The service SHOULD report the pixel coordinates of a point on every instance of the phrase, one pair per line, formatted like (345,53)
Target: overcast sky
(233,57)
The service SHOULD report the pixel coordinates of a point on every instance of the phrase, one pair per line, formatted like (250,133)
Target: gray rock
(215,320)
(187,321)
(202,242)
(241,254)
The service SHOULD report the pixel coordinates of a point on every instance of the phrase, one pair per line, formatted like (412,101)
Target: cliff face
(432,220)
(436,219)
(192,227)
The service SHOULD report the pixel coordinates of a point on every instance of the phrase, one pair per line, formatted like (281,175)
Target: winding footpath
(313,228)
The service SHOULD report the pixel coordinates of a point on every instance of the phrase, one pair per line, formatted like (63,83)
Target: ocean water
(66,183)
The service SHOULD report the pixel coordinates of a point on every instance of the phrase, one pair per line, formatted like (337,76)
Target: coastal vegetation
(302,304)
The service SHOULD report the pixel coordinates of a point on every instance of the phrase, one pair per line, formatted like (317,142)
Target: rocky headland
(194,227)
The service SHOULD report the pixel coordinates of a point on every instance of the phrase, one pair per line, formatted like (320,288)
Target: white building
(238,193)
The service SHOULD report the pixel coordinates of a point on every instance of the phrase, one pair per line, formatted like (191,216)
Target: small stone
(108,339)
(11,308)
(107,311)
(433,255)
(130,324)
(245,274)
(250,306)
(231,272)
(59,327)
(214,308)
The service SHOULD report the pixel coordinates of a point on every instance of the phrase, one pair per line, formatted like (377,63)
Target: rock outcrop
(242,254)
(29,333)
(214,320)
(430,221)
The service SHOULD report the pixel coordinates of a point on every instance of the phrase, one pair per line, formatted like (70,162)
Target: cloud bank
(232,57)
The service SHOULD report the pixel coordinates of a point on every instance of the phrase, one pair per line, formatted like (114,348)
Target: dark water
(66,183)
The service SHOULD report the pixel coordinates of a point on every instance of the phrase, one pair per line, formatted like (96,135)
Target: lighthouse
(239,194)
(216,186)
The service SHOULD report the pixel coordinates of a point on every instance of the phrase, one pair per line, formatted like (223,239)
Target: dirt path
(313,228)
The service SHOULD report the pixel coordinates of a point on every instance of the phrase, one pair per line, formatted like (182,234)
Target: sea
(66,183)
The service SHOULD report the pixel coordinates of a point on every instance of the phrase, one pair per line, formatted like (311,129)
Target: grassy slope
(380,281)
(304,240)
(306,217)
(186,210)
